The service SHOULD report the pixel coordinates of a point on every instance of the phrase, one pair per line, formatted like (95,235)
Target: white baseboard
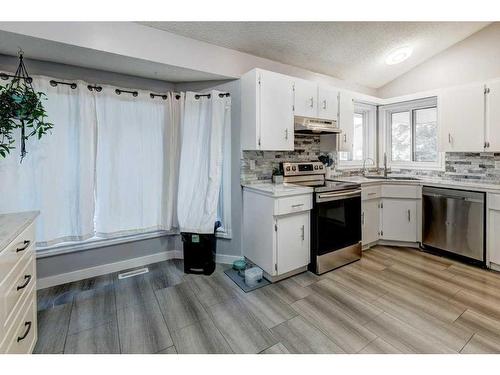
(104,269)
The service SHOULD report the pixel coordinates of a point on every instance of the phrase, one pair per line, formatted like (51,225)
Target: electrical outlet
(252,165)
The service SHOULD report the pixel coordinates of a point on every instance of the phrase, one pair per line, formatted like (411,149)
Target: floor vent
(133,273)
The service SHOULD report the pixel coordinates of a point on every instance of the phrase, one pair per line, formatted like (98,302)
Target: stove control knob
(294,168)
(321,167)
(316,167)
(288,169)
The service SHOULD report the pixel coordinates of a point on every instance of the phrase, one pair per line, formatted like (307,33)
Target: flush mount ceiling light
(398,55)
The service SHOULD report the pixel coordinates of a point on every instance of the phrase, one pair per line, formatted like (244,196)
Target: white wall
(476,58)
(70,72)
(145,44)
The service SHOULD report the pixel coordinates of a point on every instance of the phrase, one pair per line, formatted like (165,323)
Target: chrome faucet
(364,165)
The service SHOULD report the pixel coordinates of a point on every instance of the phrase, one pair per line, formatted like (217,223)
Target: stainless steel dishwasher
(453,220)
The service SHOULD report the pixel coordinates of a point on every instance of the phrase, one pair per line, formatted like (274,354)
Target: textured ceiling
(353,51)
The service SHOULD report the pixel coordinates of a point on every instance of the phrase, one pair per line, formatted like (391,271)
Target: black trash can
(199,252)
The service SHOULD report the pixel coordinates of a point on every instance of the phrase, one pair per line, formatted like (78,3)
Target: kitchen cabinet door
(399,220)
(327,103)
(370,221)
(346,121)
(276,111)
(292,241)
(493,117)
(306,98)
(462,119)
(494,236)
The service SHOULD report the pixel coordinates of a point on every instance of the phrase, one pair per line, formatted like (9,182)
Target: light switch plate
(252,165)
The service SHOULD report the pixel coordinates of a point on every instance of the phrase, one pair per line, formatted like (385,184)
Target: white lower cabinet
(292,241)
(18,309)
(399,220)
(391,213)
(492,232)
(276,231)
(370,221)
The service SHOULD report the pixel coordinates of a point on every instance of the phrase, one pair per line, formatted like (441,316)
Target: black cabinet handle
(26,324)
(26,244)
(28,279)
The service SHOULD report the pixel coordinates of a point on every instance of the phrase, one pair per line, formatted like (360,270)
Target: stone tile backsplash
(306,149)
(466,166)
(459,166)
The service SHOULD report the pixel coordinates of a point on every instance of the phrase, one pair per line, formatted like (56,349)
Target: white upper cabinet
(346,121)
(492,116)
(305,98)
(266,111)
(328,103)
(311,100)
(461,117)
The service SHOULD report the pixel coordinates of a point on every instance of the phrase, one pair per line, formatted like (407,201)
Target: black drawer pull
(26,324)
(26,244)
(28,279)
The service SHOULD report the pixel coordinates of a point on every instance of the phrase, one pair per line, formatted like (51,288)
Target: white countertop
(279,190)
(11,225)
(438,182)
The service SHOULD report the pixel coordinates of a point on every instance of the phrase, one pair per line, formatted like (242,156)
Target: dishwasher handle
(458,198)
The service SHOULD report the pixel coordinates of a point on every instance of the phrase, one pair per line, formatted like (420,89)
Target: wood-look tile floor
(394,300)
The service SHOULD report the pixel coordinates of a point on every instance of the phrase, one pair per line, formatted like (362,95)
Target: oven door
(336,221)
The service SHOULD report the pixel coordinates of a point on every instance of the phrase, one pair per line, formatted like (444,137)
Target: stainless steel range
(335,219)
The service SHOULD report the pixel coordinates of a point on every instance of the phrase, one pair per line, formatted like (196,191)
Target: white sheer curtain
(200,173)
(57,175)
(135,162)
(119,165)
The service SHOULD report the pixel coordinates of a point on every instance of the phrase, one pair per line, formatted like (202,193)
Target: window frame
(369,113)
(410,106)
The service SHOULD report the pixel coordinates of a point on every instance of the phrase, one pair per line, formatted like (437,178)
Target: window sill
(95,243)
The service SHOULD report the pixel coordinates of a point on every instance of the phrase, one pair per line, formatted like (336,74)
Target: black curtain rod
(134,93)
(97,88)
(6,76)
(221,95)
(55,83)
(163,96)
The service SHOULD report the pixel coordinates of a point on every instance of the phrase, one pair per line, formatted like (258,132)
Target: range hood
(308,125)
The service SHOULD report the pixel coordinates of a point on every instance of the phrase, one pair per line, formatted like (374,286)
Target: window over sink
(411,133)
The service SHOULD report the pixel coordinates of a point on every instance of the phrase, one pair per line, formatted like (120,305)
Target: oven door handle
(327,197)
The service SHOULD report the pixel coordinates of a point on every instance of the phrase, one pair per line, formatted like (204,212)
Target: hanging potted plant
(20,108)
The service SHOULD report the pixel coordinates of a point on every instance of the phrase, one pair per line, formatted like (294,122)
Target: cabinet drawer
(14,251)
(493,201)
(298,203)
(21,339)
(370,192)
(15,289)
(402,191)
